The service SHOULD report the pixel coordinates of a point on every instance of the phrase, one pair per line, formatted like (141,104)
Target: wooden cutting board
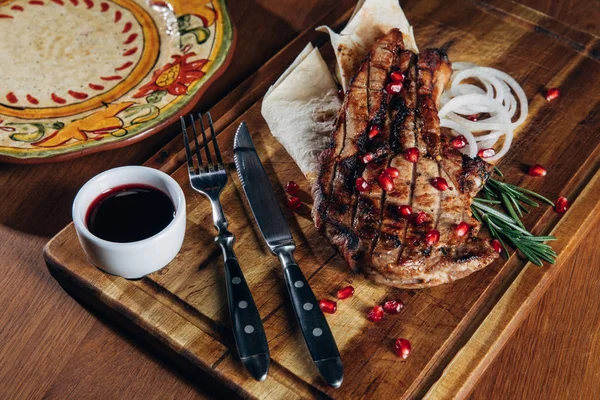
(455,329)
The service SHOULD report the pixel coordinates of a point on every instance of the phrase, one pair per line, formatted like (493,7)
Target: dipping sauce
(130,213)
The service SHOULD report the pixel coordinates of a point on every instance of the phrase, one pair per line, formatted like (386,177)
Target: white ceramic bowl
(136,259)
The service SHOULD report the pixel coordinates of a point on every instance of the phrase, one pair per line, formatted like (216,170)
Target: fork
(210,180)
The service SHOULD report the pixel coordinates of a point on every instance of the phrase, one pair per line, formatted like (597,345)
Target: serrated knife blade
(259,192)
(265,207)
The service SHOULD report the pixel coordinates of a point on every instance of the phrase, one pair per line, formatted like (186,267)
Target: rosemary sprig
(508,228)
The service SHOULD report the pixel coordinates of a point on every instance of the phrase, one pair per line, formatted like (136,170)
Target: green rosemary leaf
(508,228)
(517,208)
(531,193)
(530,256)
(551,258)
(511,211)
(493,212)
(480,200)
(476,214)
(497,171)
(539,238)
(504,187)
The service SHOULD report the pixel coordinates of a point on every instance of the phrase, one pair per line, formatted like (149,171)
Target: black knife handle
(247,326)
(317,335)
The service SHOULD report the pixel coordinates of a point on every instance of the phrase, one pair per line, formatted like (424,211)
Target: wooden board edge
(471,361)
(134,333)
(581,41)
(152,340)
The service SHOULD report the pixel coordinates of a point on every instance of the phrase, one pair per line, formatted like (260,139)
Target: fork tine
(188,152)
(208,157)
(196,141)
(214,138)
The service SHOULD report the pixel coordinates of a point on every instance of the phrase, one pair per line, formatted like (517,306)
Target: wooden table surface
(52,347)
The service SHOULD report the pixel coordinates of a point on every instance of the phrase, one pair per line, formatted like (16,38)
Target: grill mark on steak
(364,106)
(433,73)
(366,218)
(365,227)
(370,205)
(426,199)
(392,227)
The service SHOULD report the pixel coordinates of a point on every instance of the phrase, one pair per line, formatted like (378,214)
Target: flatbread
(301,107)
(371,20)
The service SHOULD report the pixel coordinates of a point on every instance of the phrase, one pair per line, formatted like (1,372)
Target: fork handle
(247,326)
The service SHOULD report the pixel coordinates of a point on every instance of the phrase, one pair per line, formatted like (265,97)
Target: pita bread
(371,20)
(301,107)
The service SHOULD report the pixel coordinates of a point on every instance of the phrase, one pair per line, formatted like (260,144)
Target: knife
(275,231)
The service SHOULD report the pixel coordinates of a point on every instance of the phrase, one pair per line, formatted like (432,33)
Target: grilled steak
(375,130)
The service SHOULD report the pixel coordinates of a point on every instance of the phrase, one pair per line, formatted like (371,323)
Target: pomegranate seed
(292,187)
(432,237)
(537,170)
(376,314)
(485,153)
(439,183)
(362,185)
(412,155)
(386,182)
(346,292)
(393,306)
(402,348)
(473,117)
(496,246)
(392,172)
(367,158)
(421,218)
(340,94)
(294,203)
(374,131)
(462,229)
(562,205)
(405,211)
(328,306)
(552,94)
(394,87)
(396,76)
(459,142)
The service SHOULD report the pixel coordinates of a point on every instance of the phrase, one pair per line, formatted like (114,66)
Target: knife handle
(317,335)
(247,326)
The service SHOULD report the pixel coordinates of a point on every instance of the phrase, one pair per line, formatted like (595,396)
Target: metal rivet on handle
(248,329)
(236,280)
(317,332)
(298,284)
(243,304)
(307,306)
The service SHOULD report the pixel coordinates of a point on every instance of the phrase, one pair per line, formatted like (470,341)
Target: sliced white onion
(496,94)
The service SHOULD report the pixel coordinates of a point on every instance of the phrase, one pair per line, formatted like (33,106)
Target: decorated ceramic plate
(80,76)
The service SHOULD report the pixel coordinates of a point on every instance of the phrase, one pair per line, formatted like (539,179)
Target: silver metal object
(271,222)
(210,179)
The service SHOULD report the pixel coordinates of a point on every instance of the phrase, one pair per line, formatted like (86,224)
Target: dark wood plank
(580,14)
(43,330)
(194,281)
(553,355)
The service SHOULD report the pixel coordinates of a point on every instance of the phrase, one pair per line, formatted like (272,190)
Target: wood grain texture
(43,331)
(554,354)
(52,346)
(491,335)
(581,14)
(183,306)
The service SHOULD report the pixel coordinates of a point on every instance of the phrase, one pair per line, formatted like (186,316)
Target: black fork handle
(247,326)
